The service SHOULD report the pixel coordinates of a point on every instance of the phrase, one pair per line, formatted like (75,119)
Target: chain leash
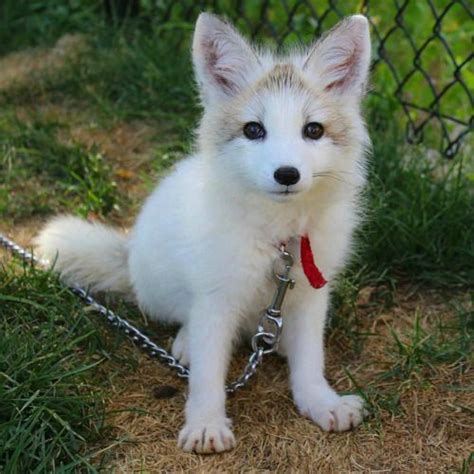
(265,340)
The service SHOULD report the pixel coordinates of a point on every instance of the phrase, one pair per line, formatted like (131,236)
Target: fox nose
(287,175)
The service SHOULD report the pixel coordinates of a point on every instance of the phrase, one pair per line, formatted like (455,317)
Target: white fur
(90,254)
(203,245)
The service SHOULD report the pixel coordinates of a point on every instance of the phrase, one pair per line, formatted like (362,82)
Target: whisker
(333,175)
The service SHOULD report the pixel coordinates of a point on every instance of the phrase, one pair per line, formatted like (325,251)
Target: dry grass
(25,66)
(127,143)
(430,430)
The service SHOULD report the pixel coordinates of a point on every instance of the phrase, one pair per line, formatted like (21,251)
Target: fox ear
(341,59)
(223,60)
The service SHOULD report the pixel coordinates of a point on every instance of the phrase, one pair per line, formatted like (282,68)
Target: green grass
(418,226)
(467,464)
(420,349)
(123,75)
(49,351)
(56,359)
(41,175)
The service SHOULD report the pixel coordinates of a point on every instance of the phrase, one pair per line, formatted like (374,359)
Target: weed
(467,464)
(434,341)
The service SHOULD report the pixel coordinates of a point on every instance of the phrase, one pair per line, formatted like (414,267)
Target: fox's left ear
(224,62)
(340,60)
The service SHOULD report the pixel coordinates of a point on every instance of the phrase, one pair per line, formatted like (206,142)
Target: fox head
(282,125)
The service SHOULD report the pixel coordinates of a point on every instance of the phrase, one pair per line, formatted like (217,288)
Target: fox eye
(254,131)
(313,130)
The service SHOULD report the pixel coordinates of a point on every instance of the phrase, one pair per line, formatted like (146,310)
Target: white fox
(280,156)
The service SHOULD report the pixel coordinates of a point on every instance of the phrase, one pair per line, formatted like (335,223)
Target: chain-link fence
(422,50)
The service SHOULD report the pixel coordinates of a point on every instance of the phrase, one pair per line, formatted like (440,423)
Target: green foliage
(126,74)
(142,78)
(467,464)
(25,23)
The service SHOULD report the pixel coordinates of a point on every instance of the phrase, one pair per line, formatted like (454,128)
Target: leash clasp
(271,323)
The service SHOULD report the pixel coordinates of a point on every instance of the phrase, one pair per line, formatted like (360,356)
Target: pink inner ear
(346,70)
(212,60)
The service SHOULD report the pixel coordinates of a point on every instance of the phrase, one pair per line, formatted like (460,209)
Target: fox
(280,157)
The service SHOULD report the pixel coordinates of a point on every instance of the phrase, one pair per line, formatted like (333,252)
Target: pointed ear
(341,59)
(224,62)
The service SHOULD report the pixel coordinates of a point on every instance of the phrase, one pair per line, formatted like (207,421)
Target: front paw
(214,436)
(334,412)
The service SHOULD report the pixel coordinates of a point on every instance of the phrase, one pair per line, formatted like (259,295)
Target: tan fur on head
(283,76)
(236,80)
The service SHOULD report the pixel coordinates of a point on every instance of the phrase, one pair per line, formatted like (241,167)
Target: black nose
(287,175)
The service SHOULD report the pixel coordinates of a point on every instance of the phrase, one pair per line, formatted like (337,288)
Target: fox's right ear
(223,60)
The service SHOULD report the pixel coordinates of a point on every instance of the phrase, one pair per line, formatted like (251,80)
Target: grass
(429,350)
(420,348)
(48,353)
(418,227)
(55,362)
(42,175)
(55,381)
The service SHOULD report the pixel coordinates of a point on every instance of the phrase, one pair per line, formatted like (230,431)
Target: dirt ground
(418,424)
(432,430)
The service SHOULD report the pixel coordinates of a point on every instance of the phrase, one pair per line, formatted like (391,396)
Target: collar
(310,269)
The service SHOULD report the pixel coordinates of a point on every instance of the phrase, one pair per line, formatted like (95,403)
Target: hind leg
(180,348)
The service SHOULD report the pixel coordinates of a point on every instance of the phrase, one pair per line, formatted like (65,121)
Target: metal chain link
(264,341)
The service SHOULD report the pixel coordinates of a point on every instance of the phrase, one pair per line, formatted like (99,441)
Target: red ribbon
(312,272)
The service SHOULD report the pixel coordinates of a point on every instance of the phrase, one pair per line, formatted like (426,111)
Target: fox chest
(248,281)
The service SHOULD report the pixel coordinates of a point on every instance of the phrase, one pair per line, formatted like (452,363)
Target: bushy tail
(90,255)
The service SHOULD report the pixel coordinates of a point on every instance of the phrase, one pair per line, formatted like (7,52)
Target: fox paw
(212,437)
(337,413)
(179,350)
